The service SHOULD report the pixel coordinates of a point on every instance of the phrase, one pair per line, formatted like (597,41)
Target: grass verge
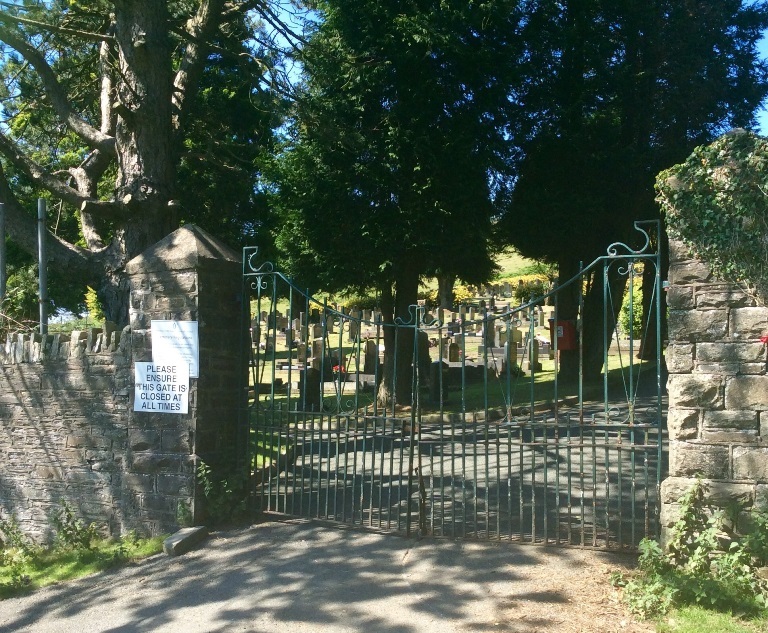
(23,572)
(695,619)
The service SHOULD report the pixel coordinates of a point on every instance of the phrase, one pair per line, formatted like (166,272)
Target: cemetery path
(307,577)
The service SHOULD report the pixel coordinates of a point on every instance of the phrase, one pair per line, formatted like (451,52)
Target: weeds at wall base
(706,563)
(77,551)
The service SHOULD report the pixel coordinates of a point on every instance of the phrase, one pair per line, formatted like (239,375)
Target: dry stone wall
(718,390)
(68,431)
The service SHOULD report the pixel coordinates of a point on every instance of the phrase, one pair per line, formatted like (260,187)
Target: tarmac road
(304,576)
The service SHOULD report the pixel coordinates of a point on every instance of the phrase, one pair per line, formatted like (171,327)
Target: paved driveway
(298,576)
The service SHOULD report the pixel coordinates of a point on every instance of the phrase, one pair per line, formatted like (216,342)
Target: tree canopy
(396,140)
(617,91)
(620,90)
(134,117)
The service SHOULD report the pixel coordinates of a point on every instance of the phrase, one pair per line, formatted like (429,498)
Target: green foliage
(71,532)
(632,320)
(538,269)
(695,619)
(530,289)
(226,499)
(25,566)
(715,203)
(93,305)
(705,563)
(20,309)
(17,554)
(388,167)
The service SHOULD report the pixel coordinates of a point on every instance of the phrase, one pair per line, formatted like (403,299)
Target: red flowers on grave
(764,339)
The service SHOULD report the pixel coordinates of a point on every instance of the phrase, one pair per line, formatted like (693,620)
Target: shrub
(706,563)
(632,323)
(530,289)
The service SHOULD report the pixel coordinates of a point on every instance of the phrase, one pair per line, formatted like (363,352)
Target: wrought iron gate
(493,442)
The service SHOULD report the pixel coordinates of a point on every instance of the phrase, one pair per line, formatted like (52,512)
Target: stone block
(669,515)
(175,485)
(721,296)
(761,497)
(75,440)
(679,358)
(683,424)
(752,369)
(678,251)
(719,493)
(673,488)
(49,472)
(730,436)
(691,391)
(143,439)
(184,540)
(690,271)
(729,419)
(152,464)
(749,352)
(691,460)
(680,298)
(86,475)
(157,503)
(697,325)
(747,393)
(750,463)
(748,323)
(176,441)
(723,369)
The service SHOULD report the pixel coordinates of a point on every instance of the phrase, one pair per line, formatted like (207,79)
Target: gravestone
(371,358)
(310,395)
(533,355)
(353,330)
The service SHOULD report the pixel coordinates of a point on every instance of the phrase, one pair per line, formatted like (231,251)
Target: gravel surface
(302,576)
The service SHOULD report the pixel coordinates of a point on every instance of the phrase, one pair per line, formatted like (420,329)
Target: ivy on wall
(716,203)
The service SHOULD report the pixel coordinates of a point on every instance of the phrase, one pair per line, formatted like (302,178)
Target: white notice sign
(162,388)
(174,341)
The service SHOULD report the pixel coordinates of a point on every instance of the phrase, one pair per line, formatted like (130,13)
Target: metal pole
(42,265)
(3,275)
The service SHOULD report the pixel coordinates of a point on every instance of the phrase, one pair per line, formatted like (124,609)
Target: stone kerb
(63,406)
(187,276)
(718,389)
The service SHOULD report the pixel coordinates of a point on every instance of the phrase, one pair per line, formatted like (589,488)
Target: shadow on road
(302,576)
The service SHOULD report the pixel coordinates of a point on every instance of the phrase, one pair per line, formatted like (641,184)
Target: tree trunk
(592,320)
(143,143)
(386,386)
(567,299)
(445,285)
(397,375)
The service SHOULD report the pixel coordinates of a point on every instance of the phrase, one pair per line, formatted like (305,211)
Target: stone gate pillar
(187,276)
(718,390)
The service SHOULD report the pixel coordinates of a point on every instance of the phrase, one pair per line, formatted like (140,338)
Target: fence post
(42,266)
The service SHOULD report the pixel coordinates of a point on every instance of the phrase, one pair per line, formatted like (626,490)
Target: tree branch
(62,30)
(58,98)
(199,28)
(47,181)
(22,227)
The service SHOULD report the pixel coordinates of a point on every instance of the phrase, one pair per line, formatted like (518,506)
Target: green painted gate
(504,432)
